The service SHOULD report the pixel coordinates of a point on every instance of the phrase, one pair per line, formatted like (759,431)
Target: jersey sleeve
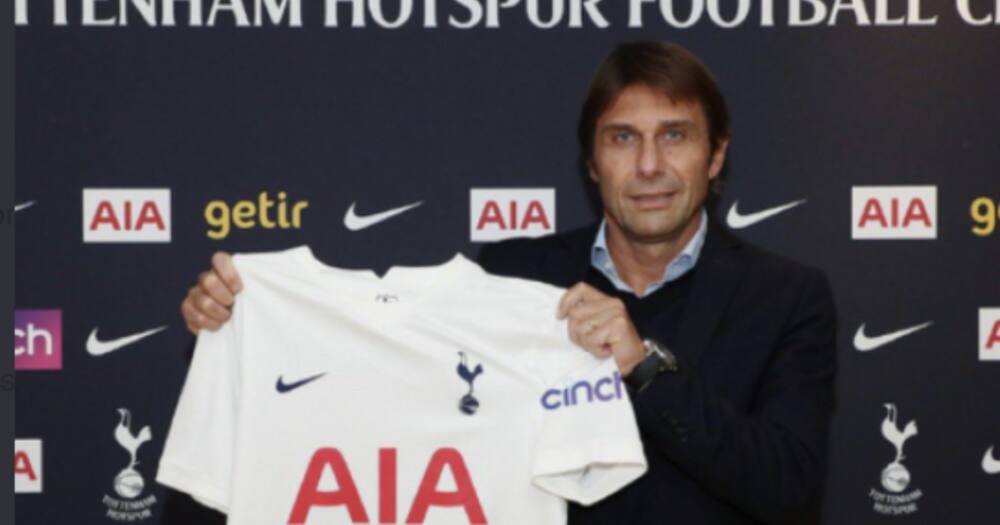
(589,445)
(198,453)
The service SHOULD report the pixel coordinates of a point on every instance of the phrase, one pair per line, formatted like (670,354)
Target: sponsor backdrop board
(152,133)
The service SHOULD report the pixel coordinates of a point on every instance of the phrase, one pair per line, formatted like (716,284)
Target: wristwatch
(658,359)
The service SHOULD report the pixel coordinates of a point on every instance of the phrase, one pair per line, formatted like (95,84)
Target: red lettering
(387,485)
(916,212)
(873,212)
(22,465)
(535,214)
(994,336)
(105,214)
(491,214)
(149,214)
(465,495)
(310,495)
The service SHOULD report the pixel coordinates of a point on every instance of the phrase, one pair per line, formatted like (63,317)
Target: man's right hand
(208,302)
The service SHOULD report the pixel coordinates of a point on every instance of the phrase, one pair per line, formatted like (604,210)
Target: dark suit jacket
(739,434)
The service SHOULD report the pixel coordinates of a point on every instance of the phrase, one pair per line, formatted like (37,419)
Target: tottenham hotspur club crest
(895,476)
(468,403)
(128,483)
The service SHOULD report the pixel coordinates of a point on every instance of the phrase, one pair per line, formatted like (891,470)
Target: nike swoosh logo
(98,347)
(283,387)
(863,343)
(354,222)
(990,464)
(736,220)
(23,206)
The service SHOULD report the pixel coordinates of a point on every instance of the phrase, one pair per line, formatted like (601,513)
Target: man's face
(652,163)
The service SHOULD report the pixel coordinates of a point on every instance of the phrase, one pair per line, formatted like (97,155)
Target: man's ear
(591,172)
(718,159)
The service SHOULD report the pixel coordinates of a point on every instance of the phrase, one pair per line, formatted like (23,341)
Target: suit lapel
(718,272)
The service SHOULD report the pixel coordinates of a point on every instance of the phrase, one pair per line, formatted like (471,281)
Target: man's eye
(622,137)
(674,135)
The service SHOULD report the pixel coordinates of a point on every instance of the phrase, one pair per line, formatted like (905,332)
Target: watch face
(665,357)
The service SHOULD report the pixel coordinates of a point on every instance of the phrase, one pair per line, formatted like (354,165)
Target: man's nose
(649,159)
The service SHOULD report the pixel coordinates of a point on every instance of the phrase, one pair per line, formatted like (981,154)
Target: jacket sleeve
(769,461)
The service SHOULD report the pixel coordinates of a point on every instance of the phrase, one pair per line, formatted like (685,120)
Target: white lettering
(90,14)
(233,6)
(575,17)
(795,13)
(357,13)
(475,15)
(277,11)
(969,18)
(405,10)
(742,10)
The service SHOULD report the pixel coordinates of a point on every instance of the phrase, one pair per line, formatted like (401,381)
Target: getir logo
(27,466)
(37,339)
(265,212)
(346,495)
(989,334)
(496,214)
(894,212)
(126,215)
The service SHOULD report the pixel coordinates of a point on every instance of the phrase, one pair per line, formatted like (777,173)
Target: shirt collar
(601,260)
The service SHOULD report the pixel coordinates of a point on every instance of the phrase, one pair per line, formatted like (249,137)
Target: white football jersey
(437,395)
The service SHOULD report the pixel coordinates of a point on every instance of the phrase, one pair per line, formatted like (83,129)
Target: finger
(187,312)
(579,292)
(212,286)
(208,306)
(597,341)
(195,319)
(223,265)
(581,327)
(602,322)
(598,306)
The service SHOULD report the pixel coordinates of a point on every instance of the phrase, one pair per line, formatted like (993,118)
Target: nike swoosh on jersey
(736,220)
(863,343)
(990,464)
(354,222)
(283,387)
(23,206)
(98,347)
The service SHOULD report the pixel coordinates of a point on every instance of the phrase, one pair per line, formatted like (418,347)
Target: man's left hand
(601,325)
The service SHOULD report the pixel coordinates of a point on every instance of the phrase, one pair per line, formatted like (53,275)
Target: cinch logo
(989,334)
(126,215)
(604,389)
(347,495)
(894,212)
(38,339)
(250,214)
(27,466)
(502,214)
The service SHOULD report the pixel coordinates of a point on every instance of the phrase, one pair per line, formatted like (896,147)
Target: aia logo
(38,339)
(347,495)
(126,215)
(989,334)
(496,214)
(894,212)
(27,466)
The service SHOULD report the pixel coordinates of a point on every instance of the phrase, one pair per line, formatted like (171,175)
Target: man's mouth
(652,201)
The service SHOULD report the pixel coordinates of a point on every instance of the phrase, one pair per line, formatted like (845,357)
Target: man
(729,351)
